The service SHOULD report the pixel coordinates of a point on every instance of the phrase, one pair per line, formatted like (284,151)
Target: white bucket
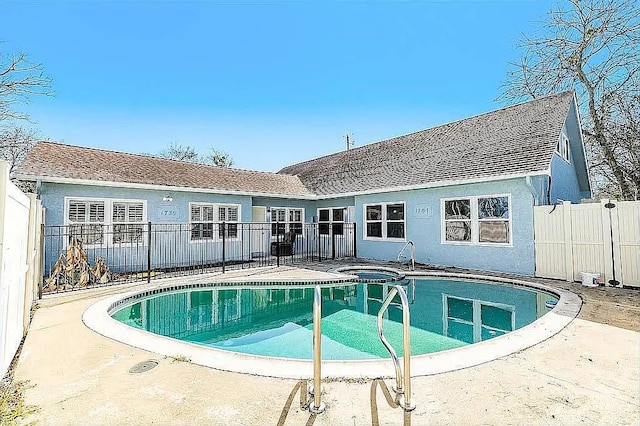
(590,280)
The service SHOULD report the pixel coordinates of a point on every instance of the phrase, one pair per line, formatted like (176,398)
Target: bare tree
(220,158)
(592,46)
(15,143)
(179,152)
(19,80)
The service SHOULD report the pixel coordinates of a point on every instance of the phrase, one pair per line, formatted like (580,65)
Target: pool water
(445,314)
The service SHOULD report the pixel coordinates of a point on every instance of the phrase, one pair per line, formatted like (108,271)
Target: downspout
(532,189)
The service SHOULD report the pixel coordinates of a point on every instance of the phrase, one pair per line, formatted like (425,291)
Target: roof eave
(438,184)
(435,184)
(131,185)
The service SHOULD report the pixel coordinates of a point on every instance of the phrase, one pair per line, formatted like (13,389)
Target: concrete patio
(589,373)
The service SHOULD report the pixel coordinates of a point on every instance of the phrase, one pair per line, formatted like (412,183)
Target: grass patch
(180,358)
(12,406)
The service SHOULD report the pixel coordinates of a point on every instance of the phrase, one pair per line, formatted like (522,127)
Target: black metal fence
(88,255)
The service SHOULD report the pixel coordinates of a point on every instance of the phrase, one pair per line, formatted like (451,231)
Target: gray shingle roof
(514,140)
(52,160)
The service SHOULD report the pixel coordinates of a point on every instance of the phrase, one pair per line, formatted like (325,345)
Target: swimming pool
(277,322)
(243,327)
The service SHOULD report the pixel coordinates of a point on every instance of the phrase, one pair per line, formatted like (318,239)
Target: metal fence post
(319,242)
(224,254)
(149,251)
(333,242)
(42,264)
(355,240)
(278,244)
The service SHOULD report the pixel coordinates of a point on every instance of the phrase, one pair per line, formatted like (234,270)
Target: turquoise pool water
(270,321)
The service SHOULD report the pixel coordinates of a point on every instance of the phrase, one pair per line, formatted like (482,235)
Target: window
(477,220)
(278,221)
(229,215)
(284,220)
(562,147)
(201,218)
(92,220)
(457,216)
(87,221)
(127,222)
(331,217)
(204,218)
(385,221)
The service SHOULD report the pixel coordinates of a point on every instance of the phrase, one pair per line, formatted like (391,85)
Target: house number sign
(422,211)
(167,214)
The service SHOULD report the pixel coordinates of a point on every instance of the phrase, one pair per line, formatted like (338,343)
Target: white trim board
(427,185)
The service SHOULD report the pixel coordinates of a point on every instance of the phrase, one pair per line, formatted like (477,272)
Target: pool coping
(97,318)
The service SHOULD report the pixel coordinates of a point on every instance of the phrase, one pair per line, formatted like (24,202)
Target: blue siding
(53,196)
(310,206)
(174,237)
(564,182)
(425,229)
(564,178)
(307,205)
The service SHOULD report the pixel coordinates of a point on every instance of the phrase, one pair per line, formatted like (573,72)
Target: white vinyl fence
(601,238)
(20,219)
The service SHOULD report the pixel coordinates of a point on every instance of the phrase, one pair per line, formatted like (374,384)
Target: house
(463,192)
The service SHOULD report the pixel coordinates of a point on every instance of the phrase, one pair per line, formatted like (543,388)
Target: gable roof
(54,162)
(516,140)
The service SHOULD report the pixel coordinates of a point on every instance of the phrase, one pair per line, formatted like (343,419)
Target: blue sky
(270,82)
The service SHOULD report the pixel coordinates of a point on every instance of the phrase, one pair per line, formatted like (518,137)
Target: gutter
(313,197)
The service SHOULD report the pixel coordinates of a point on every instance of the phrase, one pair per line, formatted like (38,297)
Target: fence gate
(14,226)
(599,238)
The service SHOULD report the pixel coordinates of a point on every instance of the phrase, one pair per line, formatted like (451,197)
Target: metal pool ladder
(317,406)
(403,381)
(412,260)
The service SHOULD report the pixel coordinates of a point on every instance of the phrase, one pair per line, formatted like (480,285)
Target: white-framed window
(477,220)
(128,218)
(86,220)
(331,218)
(286,219)
(205,218)
(562,147)
(385,221)
(105,220)
(229,214)
(473,320)
(201,219)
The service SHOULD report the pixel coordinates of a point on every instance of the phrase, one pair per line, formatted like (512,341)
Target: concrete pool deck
(588,373)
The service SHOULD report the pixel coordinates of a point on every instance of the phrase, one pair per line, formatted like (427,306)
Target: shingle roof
(514,140)
(53,160)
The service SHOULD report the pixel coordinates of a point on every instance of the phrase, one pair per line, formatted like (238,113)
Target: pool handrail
(412,260)
(317,406)
(403,381)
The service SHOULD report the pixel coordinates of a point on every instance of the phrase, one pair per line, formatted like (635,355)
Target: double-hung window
(477,220)
(206,221)
(278,221)
(295,221)
(285,219)
(128,220)
(86,219)
(385,221)
(331,217)
(105,221)
(562,147)
(201,218)
(228,215)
